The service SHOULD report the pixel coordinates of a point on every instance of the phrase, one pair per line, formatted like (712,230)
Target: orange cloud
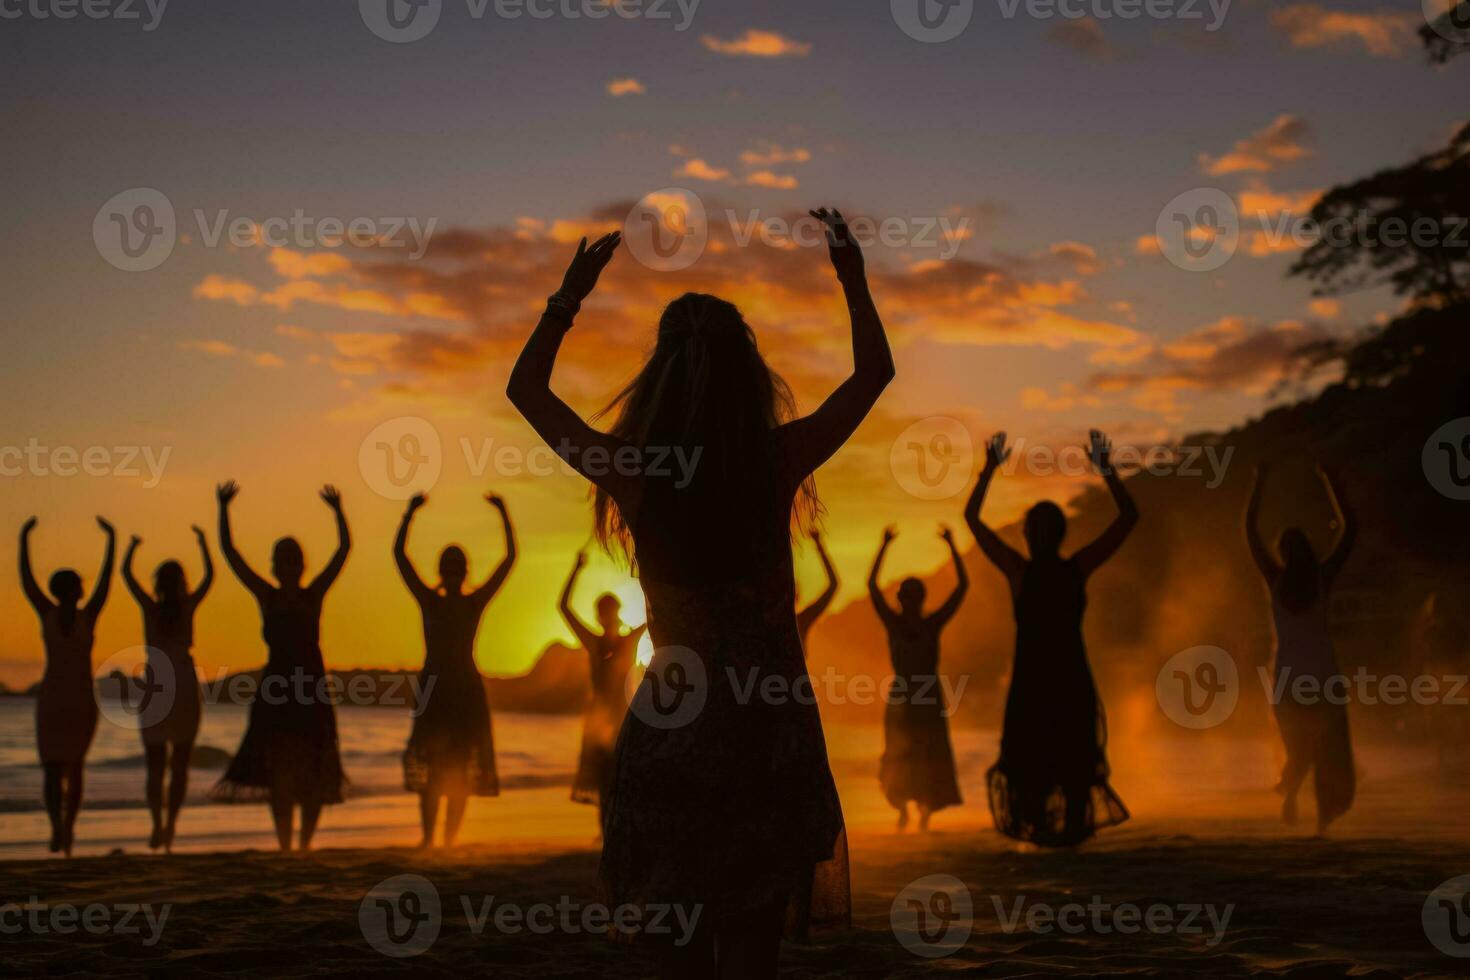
(758,44)
(218,348)
(697,169)
(771,154)
(764,178)
(1383,34)
(619,87)
(1278,144)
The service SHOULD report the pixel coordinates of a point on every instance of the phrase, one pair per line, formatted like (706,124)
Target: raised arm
(410,574)
(1001,555)
(809,442)
(208,562)
(497,577)
(1092,555)
(813,612)
(885,612)
(962,582)
(104,577)
(328,575)
(1265,561)
(584,635)
(259,587)
(140,595)
(38,599)
(1347,523)
(529,388)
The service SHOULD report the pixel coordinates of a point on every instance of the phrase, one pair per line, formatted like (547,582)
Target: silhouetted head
(1045,528)
(911,593)
(609,612)
(66,587)
(706,387)
(169,581)
(454,568)
(1300,572)
(288,562)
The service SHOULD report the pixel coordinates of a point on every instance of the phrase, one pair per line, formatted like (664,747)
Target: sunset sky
(1048,148)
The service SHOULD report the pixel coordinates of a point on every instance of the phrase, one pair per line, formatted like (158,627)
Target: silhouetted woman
(451,750)
(918,760)
(168,633)
(289,754)
(1050,786)
(808,617)
(727,803)
(1315,732)
(610,655)
(66,707)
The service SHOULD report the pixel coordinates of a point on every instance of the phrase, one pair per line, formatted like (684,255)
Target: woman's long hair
(1301,573)
(170,587)
(704,388)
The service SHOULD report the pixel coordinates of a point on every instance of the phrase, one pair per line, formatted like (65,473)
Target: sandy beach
(1228,895)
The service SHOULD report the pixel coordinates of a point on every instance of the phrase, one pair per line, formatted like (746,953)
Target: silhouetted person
(808,617)
(1315,731)
(66,707)
(610,655)
(918,760)
(289,754)
(168,634)
(451,750)
(1050,785)
(731,807)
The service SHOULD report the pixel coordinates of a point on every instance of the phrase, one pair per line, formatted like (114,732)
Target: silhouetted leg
(51,792)
(281,815)
(178,788)
(310,813)
(1292,775)
(73,803)
(693,960)
(453,817)
(156,757)
(748,946)
(1078,800)
(903,816)
(924,814)
(428,815)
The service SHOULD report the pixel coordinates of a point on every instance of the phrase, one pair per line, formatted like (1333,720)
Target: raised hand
(198,532)
(226,492)
(496,500)
(842,248)
(28,526)
(581,561)
(889,533)
(996,452)
(1101,451)
(946,534)
(134,541)
(333,497)
(417,501)
(106,526)
(581,275)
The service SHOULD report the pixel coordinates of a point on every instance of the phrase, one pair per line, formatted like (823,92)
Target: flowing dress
(734,808)
(452,747)
(609,661)
(290,743)
(171,665)
(1315,732)
(918,760)
(66,706)
(1050,785)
